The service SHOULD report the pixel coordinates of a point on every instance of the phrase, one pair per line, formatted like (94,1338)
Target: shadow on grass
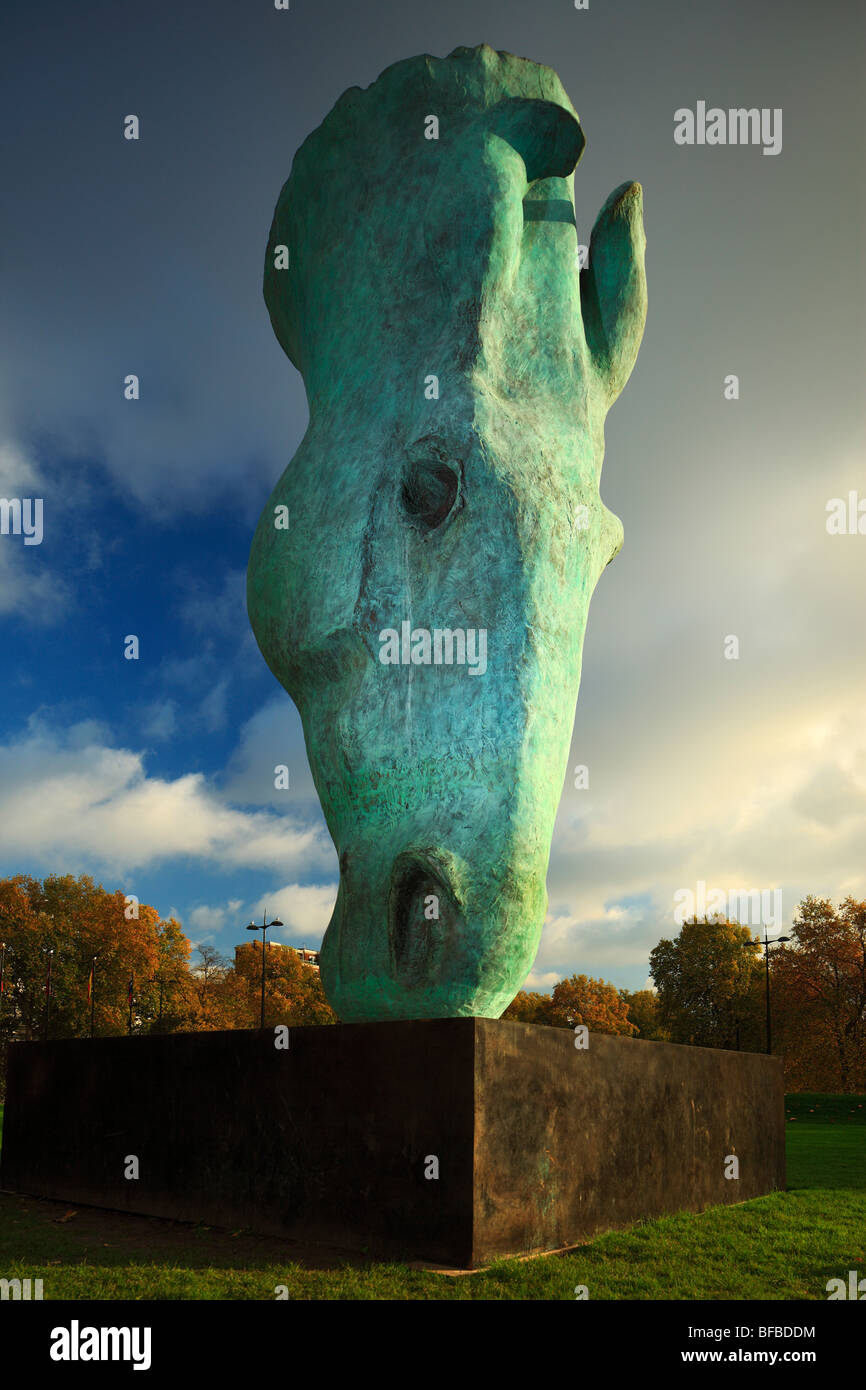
(67,1233)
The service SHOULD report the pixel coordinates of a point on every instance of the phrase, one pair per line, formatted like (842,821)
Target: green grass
(779,1247)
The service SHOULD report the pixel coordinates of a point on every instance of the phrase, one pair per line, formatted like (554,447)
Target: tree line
(117,963)
(114,961)
(711,989)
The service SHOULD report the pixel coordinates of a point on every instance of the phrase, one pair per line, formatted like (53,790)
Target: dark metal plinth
(537,1144)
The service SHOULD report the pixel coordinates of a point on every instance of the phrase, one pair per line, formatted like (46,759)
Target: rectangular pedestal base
(448,1140)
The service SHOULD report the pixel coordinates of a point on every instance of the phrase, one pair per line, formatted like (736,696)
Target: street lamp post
(767,943)
(2,973)
(266,925)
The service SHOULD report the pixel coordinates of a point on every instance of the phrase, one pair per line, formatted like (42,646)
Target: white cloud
(77,803)
(19,475)
(214,707)
(159,720)
(273,736)
(204,923)
(28,590)
(304,909)
(758,798)
(541,982)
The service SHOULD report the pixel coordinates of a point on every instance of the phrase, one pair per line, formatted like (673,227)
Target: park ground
(784,1246)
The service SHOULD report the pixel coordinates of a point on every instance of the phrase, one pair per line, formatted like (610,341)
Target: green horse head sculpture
(420,578)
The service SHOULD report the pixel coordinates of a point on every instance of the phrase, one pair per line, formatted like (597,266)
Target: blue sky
(156,775)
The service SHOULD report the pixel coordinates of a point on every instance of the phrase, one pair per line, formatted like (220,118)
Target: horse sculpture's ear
(613,287)
(547,137)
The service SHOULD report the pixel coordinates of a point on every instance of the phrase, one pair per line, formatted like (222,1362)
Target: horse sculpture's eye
(429,492)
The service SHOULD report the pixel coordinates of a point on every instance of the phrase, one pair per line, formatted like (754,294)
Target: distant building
(309,958)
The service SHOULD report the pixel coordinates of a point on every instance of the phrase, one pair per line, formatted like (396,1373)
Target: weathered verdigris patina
(459,366)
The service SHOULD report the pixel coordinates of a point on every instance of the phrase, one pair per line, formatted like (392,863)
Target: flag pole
(48,994)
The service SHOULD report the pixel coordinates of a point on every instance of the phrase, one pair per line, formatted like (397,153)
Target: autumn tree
(819,996)
(166,996)
(594,1003)
(70,921)
(217,1000)
(293,992)
(529,1007)
(709,985)
(642,1006)
(578,1000)
(78,920)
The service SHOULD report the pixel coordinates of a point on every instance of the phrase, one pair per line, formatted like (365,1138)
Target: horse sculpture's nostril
(429,492)
(422,913)
(410,930)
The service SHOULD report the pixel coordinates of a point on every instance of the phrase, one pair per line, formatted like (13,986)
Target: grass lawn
(783,1246)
